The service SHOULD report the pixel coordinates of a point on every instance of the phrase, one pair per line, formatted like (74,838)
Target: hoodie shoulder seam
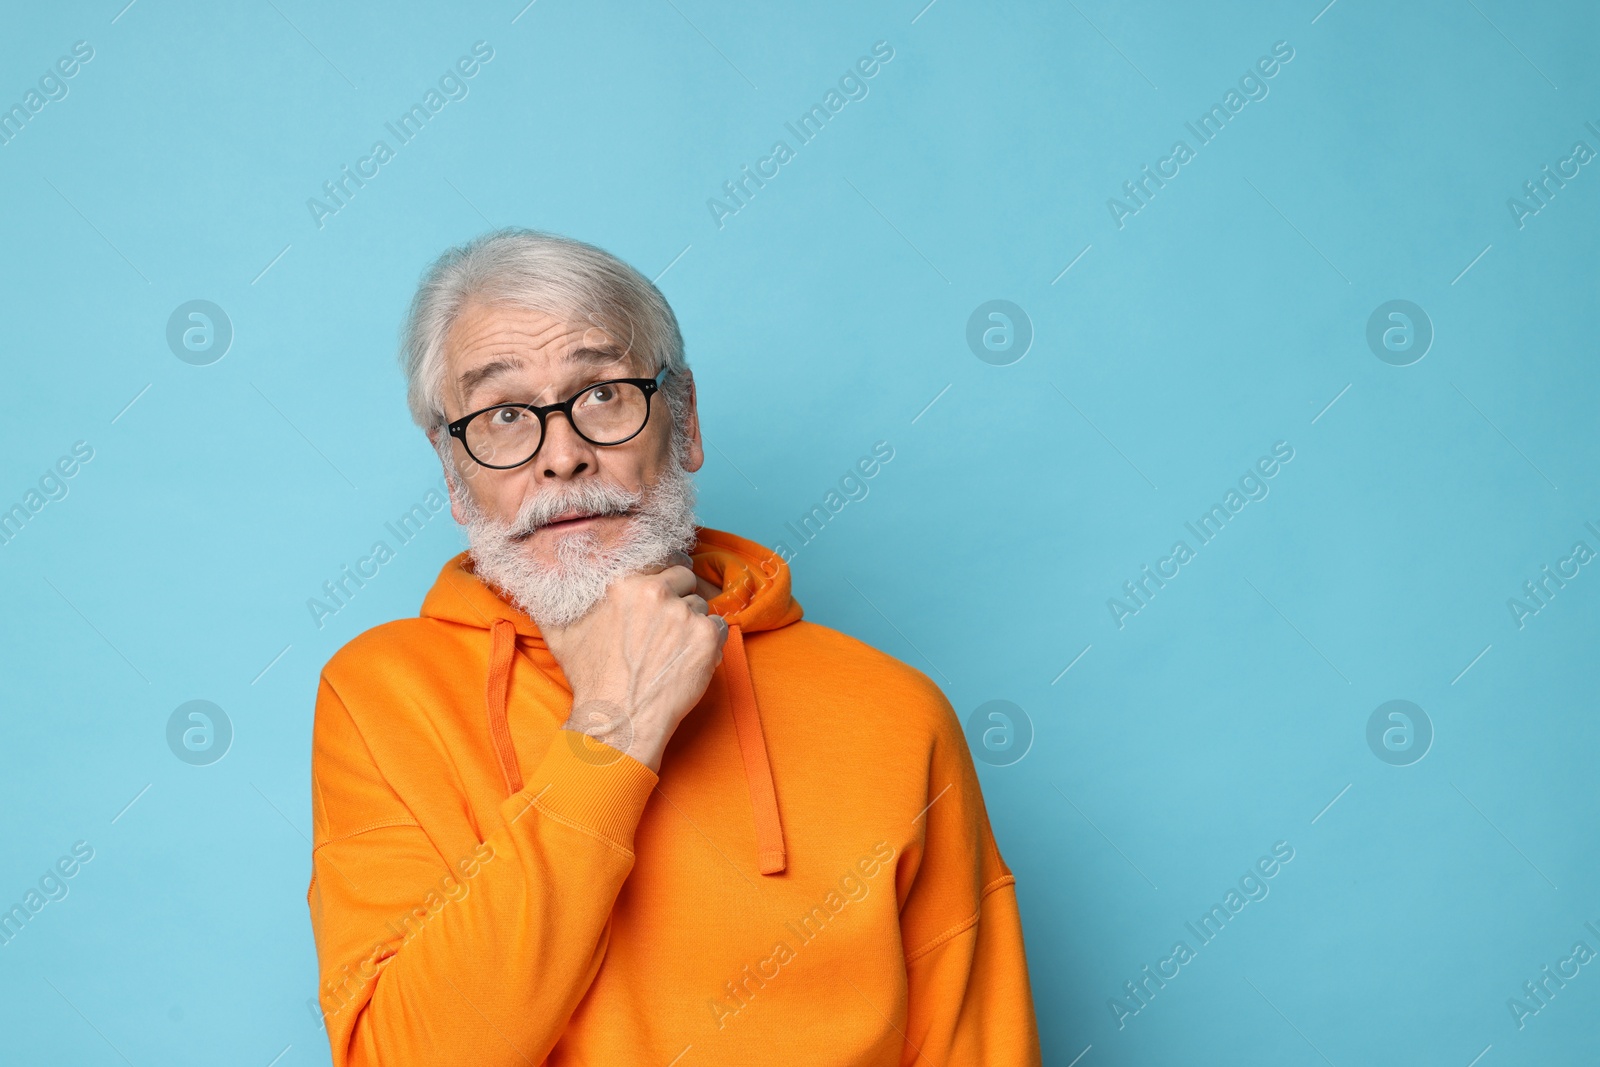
(409,818)
(966,924)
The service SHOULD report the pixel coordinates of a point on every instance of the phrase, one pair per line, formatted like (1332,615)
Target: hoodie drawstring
(770,849)
(771,852)
(502,649)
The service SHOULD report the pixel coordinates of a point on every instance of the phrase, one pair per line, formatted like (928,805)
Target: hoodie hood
(755,597)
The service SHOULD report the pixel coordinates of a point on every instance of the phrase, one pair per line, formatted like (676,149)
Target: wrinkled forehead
(554,335)
(538,349)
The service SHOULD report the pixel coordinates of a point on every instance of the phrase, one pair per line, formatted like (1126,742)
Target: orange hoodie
(811,878)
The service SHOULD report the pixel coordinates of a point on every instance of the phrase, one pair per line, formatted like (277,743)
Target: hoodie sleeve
(422,955)
(969,997)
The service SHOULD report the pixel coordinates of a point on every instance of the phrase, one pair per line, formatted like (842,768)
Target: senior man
(609,800)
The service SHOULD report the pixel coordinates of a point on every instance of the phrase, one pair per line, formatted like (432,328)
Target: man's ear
(457,505)
(696,455)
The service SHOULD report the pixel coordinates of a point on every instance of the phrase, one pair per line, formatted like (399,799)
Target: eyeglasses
(603,413)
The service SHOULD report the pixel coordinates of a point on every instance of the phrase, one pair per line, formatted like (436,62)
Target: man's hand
(640,660)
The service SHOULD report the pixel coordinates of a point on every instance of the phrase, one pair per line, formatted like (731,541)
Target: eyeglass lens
(605,414)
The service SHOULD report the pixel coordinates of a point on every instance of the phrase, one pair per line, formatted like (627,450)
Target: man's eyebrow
(601,355)
(594,356)
(478,375)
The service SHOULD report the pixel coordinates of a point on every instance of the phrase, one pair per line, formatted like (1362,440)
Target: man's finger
(680,579)
(677,559)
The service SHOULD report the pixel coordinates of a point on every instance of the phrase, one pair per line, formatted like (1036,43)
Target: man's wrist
(610,724)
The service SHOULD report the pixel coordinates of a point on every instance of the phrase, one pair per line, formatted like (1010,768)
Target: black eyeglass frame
(648,386)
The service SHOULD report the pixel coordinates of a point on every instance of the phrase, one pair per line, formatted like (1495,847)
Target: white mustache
(595,498)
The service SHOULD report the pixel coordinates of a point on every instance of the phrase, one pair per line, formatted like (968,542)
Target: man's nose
(563,452)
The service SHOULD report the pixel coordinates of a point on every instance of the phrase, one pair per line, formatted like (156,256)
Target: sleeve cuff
(592,785)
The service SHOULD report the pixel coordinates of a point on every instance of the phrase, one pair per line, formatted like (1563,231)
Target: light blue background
(1228,314)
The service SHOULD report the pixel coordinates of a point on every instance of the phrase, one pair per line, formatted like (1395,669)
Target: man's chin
(563,555)
(562,547)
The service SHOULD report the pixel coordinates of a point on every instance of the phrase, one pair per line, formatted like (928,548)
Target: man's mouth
(571,520)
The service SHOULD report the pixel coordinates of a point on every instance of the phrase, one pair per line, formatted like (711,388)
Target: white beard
(663,522)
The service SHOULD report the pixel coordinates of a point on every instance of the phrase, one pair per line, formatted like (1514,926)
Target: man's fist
(640,660)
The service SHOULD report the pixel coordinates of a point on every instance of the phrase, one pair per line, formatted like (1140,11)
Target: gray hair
(549,273)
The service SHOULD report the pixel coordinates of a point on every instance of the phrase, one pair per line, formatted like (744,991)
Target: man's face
(633,501)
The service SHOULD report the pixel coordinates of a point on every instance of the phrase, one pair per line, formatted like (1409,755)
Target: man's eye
(507,416)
